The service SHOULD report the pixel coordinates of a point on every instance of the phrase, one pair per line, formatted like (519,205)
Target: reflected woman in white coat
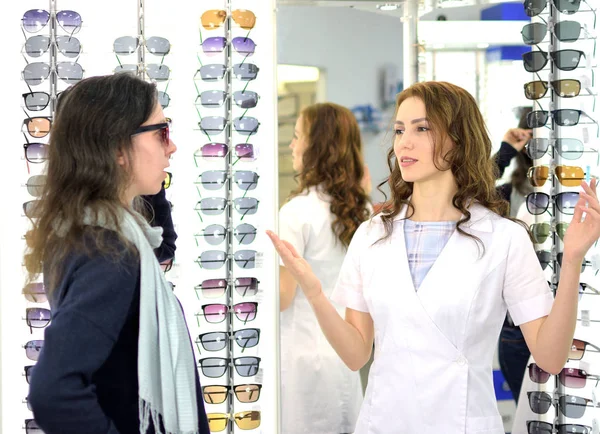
(431,277)
(320,394)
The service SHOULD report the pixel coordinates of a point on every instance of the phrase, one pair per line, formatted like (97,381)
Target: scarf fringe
(146,412)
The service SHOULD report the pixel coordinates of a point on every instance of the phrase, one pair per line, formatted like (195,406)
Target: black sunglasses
(163,126)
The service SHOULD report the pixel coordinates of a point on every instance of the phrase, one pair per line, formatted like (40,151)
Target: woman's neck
(432,201)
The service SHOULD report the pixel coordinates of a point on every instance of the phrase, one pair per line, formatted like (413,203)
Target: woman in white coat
(431,277)
(320,394)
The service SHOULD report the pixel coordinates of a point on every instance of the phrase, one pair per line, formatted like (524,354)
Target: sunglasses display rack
(565,152)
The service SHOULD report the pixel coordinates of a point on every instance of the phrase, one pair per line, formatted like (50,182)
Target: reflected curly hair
(333,160)
(452,114)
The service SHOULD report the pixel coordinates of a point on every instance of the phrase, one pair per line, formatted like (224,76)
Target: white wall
(352,47)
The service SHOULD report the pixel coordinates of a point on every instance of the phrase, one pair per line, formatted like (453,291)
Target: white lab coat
(432,369)
(319,394)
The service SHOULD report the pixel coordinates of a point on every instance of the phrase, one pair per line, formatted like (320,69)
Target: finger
(589,190)
(578,213)
(592,215)
(277,243)
(592,202)
(291,248)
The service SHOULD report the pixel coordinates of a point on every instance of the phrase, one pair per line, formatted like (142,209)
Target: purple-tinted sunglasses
(35,20)
(217,44)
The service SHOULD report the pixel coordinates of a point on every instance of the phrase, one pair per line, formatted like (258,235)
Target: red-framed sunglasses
(163,127)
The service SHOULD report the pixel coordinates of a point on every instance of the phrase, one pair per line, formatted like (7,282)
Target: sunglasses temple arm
(25,58)
(245,87)
(168,83)
(200,33)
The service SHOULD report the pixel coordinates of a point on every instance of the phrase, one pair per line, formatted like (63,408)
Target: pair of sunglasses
(243,151)
(155,72)
(31,209)
(539,427)
(37,318)
(214,288)
(568,176)
(163,127)
(568,377)
(217,312)
(37,72)
(215,234)
(245,420)
(245,393)
(569,149)
(33,349)
(31,427)
(38,126)
(130,44)
(565,31)
(36,152)
(535,7)
(215,72)
(215,18)
(569,405)
(35,20)
(215,367)
(215,179)
(217,341)
(35,292)
(68,46)
(216,98)
(212,206)
(216,44)
(545,259)
(37,101)
(541,231)
(565,60)
(567,88)
(538,203)
(28,372)
(561,117)
(244,125)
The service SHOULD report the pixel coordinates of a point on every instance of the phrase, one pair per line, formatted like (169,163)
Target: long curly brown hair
(333,161)
(452,113)
(94,122)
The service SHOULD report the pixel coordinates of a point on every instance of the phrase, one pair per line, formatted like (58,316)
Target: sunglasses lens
(539,427)
(534,7)
(567,6)
(35,20)
(214,234)
(540,232)
(215,341)
(566,60)
(244,46)
(545,257)
(212,259)
(213,205)
(246,393)
(36,101)
(566,117)
(569,149)
(38,127)
(163,99)
(246,286)
(35,73)
(569,176)
(247,338)
(217,421)
(69,72)
(213,179)
(214,150)
(538,375)
(37,45)
(245,179)
(68,46)
(245,152)
(245,258)
(246,366)
(573,378)
(537,118)
(538,175)
(35,185)
(572,406)
(244,18)
(534,61)
(215,44)
(31,209)
(213,124)
(247,419)
(245,99)
(535,89)
(567,31)
(212,72)
(245,233)
(31,427)
(536,148)
(573,429)
(213,288)
(577,350)
(212,98)
(567,88)
(245,71)
(69,20)
(127,68)
(561,229)
(33,348)
(158,72)
(539,402)
(126,45)
(246,205)
(246,125)
(245,311)
(28,372)
(566,202)
(214,313)
(37,317)
(534,33)
(35,292)
(213,19)
(158,46)
(214,394)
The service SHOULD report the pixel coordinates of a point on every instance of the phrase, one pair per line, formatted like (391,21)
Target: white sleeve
(526,290)
(293,226)
(348,291)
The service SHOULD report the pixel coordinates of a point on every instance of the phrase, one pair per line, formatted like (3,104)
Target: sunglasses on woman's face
(245,393)
(35,20)
(539,427)
(163,127)
(215,18)
(245,420)
(215,313)
(217,341)
(568,377)
(215,367)
(214,288)
(214,72)
(569,149)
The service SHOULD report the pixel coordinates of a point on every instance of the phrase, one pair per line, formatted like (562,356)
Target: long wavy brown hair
(452,113)
(93,124)
(333,161)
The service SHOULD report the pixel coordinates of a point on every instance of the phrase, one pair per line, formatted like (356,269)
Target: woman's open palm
(581,235)
(297,266)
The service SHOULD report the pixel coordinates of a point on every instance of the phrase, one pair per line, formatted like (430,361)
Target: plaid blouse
(424,243)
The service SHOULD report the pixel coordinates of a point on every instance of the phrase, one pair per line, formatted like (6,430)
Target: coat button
(461,361)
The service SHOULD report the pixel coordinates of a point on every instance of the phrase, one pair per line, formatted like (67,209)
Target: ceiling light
(388,7)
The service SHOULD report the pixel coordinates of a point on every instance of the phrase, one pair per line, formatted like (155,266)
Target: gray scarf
(166,367)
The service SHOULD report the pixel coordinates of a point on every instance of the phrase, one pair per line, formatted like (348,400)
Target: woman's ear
(121,158)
